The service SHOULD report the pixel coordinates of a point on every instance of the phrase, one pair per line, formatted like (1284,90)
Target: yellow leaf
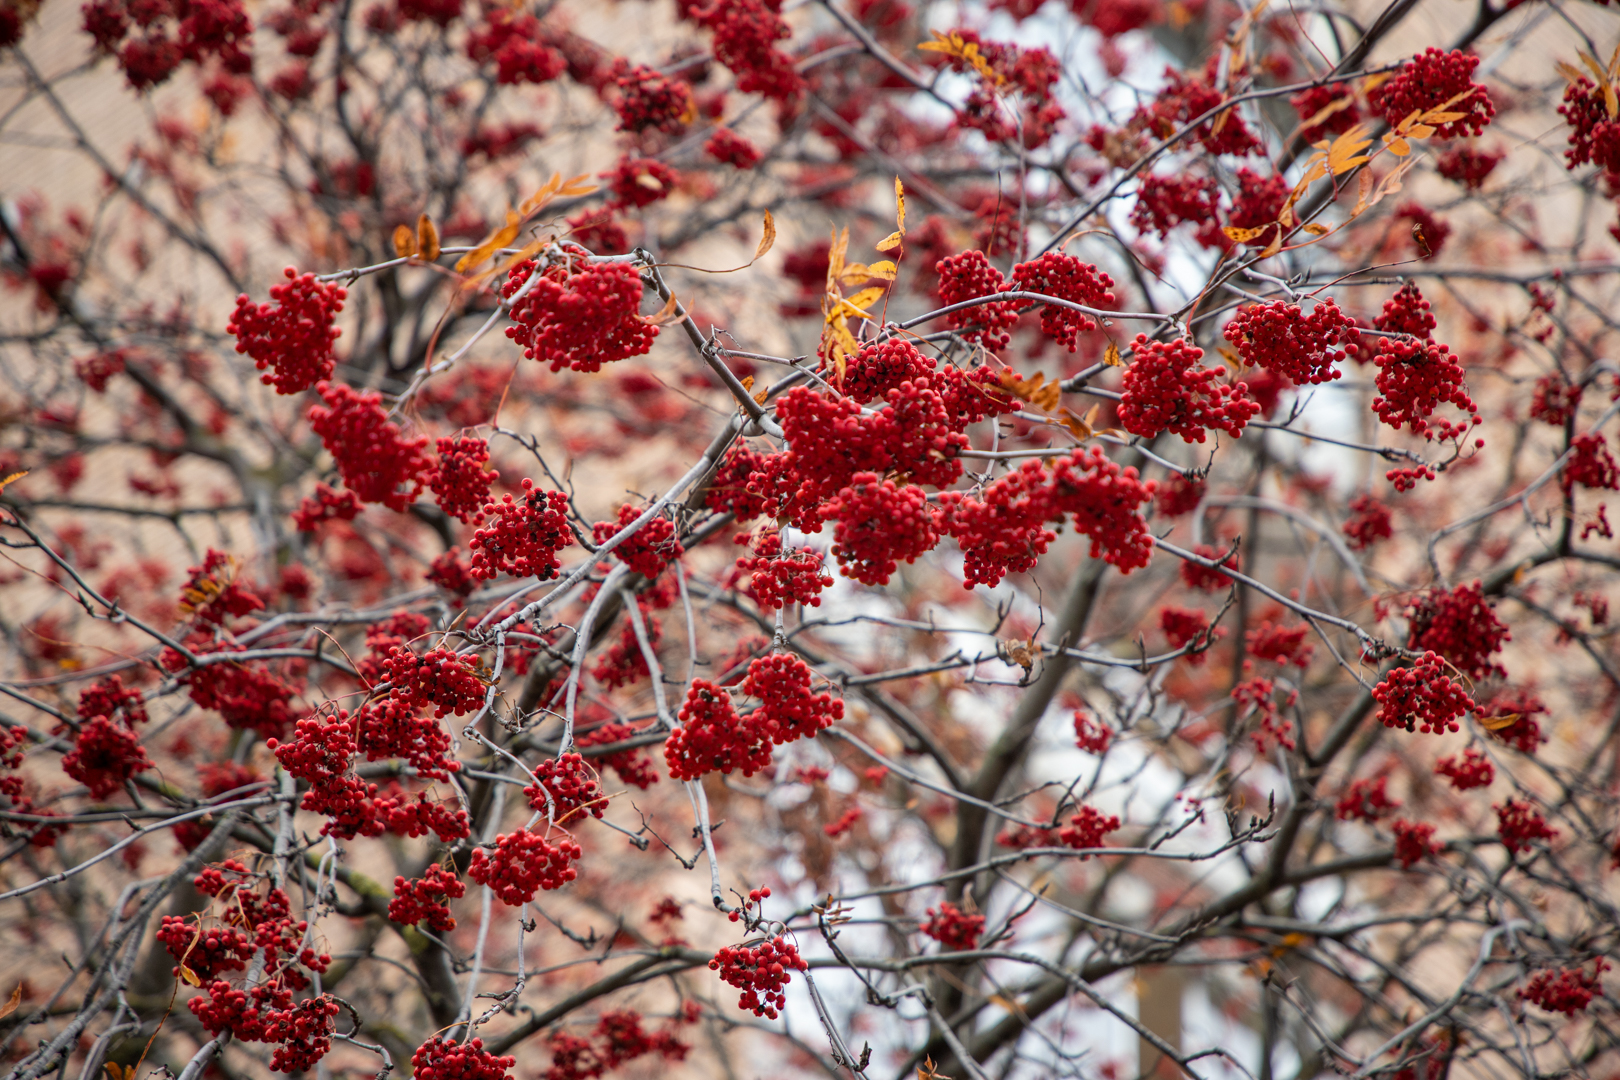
(1435,116)
(527,251)
(764,392)
(883,270)
(1079,426)
(190,976)
(1599,76)
(1295,939)
(1233,360)
(1497,723)
(427,238)
(1316,230)
(579,185)
(1337,105)
(491,243)
(899,208)
(11,1006)
(13,478)
(835,259)
(1364,184)
(1343,155)
(1243,236)
(667,314)
(1569,71)
(769,238)
(864,299)
(1111,356)
(1421,131)
(1273,247)
(890,242)
(1398,146)
(404,242)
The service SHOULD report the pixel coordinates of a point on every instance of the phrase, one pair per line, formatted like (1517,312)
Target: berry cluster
(728,490)
(1311,103)
(761,972)
(1365,800)
(650,99)
(636,182)
(205,952)
(522,538)
(424,898)
(1162,390)
(1209,578)
(515,41)
(969,276)
(1067,278)
(745,37)
(1414,841)
(1421,698)
(1086,829)
(1471,769)
(1256,697)
(632,766)
(571,787)
(649,550)
(1566,990)
(730,148)
(620,1038)
(880,524)
(295,337)
(1090,735)
(95,371)
(1188,626)
(953,928)
(1257,205)
(1185,98)
(579,320)
(782,578)
(1282,339)
(1469,166)
(877,369)
(212,592)
(1007,71)
(1413,378)
(844,822)
(712,738)
(1105,502)
(1368,523)
(105,754)
(459,480)
(1407,312)
(439,677)
(246,696)
(788,710)
(1554,400)
(171,32)
(1003,531)
(1461,626)
(110,696)
(441,1059)
(1519,825)
(1180,494)
(1280,644)
(1433,79)
(376,462)
(524,863)
(1594,135)
(1163,202)
(623,662)
(325,505)
(1523,734)
(1590,464)
(1405,479)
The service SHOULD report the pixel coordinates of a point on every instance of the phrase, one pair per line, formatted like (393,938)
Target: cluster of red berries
(1027,73)
(1590,464)
(1519,825)
(376,462)
(637,182)
(1285,341)
(781,578)
(1594,135)
(876,369)
(730,148)
(1413,378)
(441,1059)
(1368,523)
(1422,698)
(1461,626)
(745,37)
(651,99)
(524,863)
(1186,626)
(712,738)
(1280,644)
(213,592)
(1186,97)
(522,538)
(1257,697)
(953,928)
(1365,800)
(108,697)
(788,710)
(1180,494)
(844,822)
(1406,312)
(392,728)
(1432,79)
(459,480)
(1468,165)
(620,1038)
(1090,735)
(295,337)
(761,972)
(633,766)
(1086,829)
(880,524)
(325,505)
(581,319)
(438,678)
(95,371)
(571,785)
(1566,990)
(1067,278)
(1195,575)
(1104,501)
(1163,202)
(969,276)
(517,44)
(205,952)
(302,1030)
(1003,530)
(728,490)
(1406,478)
(1471,769)
(1312,102)
(424,898)
(649,550)
(1257,205)
(105,754)
(246,695)
(623,662)
(1162,390)
(1554,401)
(171,32)
(1414,841)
